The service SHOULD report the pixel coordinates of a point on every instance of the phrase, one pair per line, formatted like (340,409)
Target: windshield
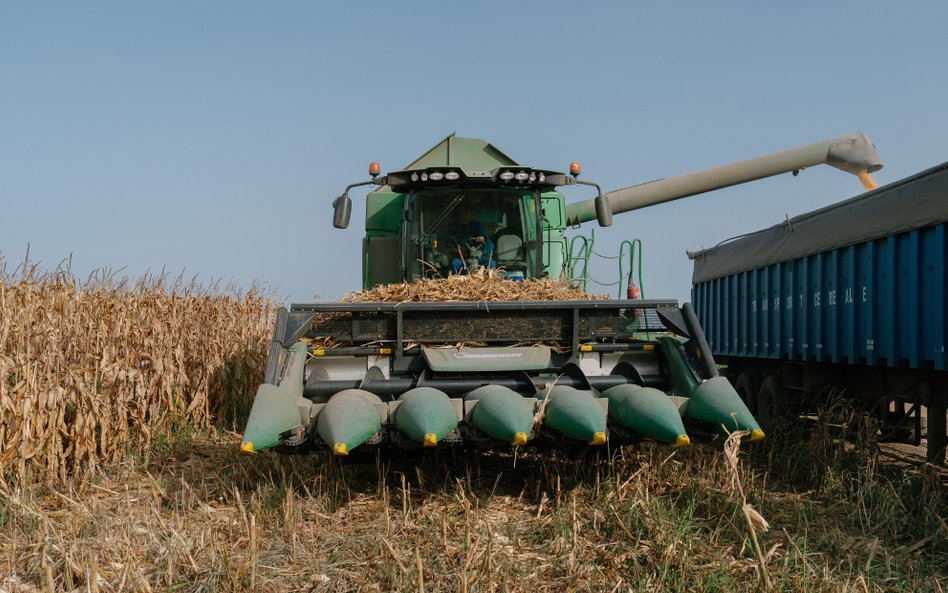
(461,230)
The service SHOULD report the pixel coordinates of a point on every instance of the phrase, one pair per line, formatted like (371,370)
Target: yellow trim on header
(598,439)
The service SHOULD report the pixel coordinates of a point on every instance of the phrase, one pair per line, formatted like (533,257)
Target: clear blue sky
(211,137)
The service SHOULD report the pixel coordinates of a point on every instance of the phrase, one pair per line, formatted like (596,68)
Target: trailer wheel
(769,402)
(746,388)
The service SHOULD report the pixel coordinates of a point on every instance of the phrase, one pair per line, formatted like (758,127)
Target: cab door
(553,243)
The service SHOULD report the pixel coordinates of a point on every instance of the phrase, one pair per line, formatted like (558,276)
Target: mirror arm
(603,208)
(377,181)
(342,205)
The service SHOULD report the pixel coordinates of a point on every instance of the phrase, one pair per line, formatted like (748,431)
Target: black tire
(770,402)
(746,387)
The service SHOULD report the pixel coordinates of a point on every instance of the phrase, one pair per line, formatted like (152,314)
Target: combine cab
(353,376)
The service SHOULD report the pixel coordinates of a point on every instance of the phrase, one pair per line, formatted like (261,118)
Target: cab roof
(477,161)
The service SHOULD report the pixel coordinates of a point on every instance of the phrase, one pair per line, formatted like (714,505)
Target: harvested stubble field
(121,473)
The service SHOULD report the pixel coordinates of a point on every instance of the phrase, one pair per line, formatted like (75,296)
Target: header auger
(501,374)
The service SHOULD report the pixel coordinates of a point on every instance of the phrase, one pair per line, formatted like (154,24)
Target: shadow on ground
(215,470)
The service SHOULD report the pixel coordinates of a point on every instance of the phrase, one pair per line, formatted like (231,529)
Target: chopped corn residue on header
(479,286)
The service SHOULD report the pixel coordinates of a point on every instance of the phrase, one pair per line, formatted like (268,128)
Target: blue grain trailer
(849,297)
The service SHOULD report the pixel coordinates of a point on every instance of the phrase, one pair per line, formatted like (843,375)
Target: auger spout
(853,153)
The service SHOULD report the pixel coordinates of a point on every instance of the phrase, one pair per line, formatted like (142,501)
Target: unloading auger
(501,374)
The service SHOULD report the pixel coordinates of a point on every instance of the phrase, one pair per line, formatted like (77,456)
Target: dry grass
(201,518)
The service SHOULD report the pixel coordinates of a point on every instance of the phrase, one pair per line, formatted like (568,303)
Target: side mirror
(603,211)
(342,210)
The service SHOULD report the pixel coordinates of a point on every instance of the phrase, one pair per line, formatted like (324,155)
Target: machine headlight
(424,177)
(522,176)
(533,177)
(414,176)
(507,175)
(436,176)
(541,177)
(452,176)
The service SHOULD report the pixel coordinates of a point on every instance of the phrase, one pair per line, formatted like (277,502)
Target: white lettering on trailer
(848,296)
(816,299)
(832,297)
(870,344)
(864,294)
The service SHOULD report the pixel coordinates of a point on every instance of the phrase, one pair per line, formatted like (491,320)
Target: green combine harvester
(501,374)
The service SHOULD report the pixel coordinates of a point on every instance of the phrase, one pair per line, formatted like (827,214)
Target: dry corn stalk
(755,521)
(90,370)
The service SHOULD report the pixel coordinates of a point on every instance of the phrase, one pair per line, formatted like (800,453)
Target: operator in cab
(469,243)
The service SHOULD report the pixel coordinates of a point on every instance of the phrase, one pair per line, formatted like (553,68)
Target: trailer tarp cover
(914,202)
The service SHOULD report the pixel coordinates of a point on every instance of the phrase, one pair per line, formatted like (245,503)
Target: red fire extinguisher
(633,293)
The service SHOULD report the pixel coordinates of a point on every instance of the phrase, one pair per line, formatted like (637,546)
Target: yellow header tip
(520,438)
(598,439)
(340,449)
(246,447)
(756,435)
(431,440)
(682,441)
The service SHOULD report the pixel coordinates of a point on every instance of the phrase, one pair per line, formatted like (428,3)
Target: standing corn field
(91,371)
